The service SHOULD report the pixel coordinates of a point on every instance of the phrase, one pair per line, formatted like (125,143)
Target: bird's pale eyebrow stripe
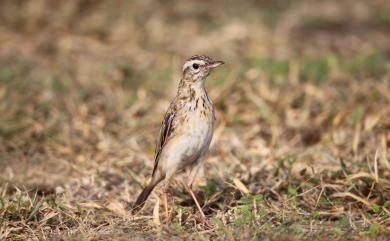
(191,62)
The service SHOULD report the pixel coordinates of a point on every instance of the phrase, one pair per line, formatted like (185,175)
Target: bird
(186,132)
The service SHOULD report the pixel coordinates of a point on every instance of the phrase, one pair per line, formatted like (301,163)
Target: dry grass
(301,149)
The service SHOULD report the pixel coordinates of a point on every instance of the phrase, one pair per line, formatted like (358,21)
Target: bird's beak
(215,64)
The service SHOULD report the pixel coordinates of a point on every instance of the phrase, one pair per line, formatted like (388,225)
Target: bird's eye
(195,66)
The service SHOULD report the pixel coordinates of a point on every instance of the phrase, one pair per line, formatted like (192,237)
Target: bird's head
(198,67)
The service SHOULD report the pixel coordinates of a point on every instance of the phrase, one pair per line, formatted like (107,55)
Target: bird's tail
(139,203)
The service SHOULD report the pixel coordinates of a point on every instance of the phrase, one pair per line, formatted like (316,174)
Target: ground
(302,142)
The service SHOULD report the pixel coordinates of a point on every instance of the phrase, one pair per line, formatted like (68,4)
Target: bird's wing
(167,130)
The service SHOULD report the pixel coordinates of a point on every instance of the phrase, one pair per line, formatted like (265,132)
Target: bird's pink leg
(189,189)
(191,178)
(165,197)
(165,192)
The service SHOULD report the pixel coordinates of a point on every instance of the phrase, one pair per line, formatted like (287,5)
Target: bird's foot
(206,224)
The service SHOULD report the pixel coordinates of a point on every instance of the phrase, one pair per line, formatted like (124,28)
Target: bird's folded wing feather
(167,130)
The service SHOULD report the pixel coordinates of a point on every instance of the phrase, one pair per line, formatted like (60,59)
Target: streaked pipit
(186,131)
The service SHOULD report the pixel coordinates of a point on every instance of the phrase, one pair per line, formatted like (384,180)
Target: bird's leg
(189,189)
(165,193)
(165,197)
(191,180)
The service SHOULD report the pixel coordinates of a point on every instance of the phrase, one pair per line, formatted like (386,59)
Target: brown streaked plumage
(186,130)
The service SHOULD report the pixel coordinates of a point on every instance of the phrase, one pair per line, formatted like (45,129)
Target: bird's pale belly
(191,143)
(197,134)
